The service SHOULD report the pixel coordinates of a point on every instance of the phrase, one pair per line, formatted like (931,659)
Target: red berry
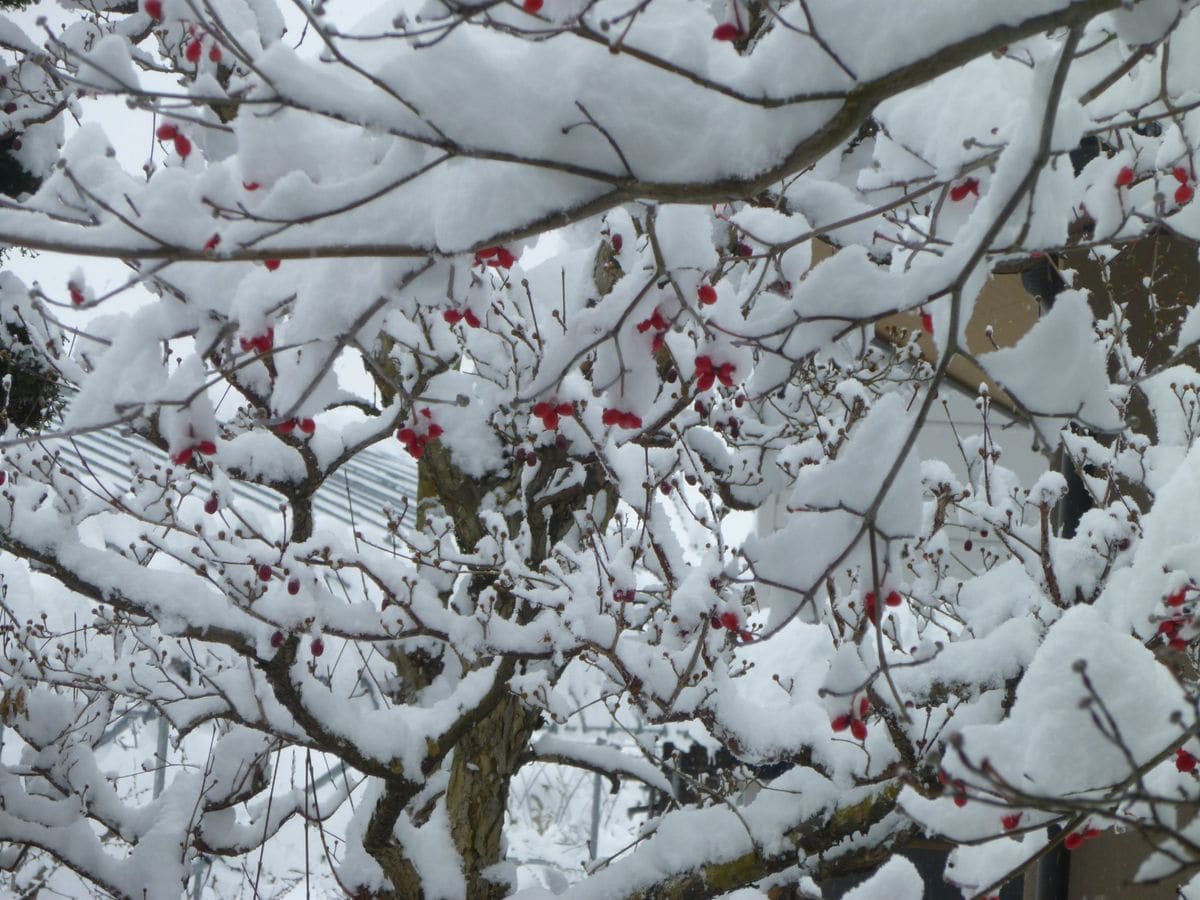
(10,107)
(211,243)
(532,6)
(1011,821)
(154,9)
(293,586)
(271,264)
(264,572)
(1177,598)
(495,256)
(182,146)
(436,431)
(1073,841)
(286,427)
(1184,194)
(864,707)
(869,606)
(192,51)
(251,185)
(317,646)
(167,132)
(208,448)
(211,505)
(927,323)
(960,191)
(471,319)
(1181,174)
(841,723)
(452,316)
(1184,761)
(214,53)
(858,728)
(1125,177)
(617,243)
(726,31)
(729,620)
(1177,644)
(960,797)
(1089,833)
(894,599)
(3,478)
(182,457)
(76,294)
(707,294)
(277,639)
(308,426)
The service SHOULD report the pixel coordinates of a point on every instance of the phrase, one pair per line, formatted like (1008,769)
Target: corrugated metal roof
(360,493)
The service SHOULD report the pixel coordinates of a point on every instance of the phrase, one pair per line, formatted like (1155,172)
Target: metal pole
(594,843)
(160,772)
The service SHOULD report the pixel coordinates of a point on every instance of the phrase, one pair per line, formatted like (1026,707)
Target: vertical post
(594,843)
(200,867)
(160,771)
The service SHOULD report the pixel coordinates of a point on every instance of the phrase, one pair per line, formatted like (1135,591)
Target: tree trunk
(484,763)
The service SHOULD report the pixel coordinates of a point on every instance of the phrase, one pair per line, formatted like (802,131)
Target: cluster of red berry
(621,419)
(1075,839)
(184,456)
(183,146)
(1184,761)
(707,373)
(550,412)
(414,441)
(195,48)
(1183,194)
(856,723)
(1170,628)
(660,326)
(260,342)
(317,647)
(454,316)
(500,257)
(729,620)
(287,426)
(893,599)
(963,188)
(958,788)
